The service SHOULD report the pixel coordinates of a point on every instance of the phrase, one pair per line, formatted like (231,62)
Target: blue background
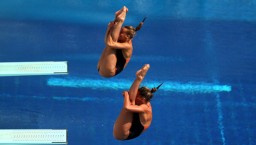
(204,51)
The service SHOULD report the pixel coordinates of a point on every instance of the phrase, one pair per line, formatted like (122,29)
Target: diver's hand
(125,93)
(111,24)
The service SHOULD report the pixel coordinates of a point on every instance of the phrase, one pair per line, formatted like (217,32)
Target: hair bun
(140,25)
(155,89)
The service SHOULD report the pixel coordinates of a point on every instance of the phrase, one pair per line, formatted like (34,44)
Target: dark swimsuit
(136,128)
(120,62)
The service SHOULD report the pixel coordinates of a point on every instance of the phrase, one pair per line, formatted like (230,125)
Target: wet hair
(147,93)
(132,31)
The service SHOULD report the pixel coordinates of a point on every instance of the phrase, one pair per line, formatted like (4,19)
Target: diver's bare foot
(121,14)
(142,72)
(123,9)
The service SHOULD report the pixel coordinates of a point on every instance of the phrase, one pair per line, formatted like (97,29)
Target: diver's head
(131,31)
(124,35)
(146,93)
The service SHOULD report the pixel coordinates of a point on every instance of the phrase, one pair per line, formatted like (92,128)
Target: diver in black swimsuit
(119,48)
(136,114)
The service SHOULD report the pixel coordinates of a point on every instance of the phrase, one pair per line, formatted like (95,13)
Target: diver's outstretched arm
(140,74)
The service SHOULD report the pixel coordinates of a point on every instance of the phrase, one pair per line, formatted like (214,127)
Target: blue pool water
(204,52)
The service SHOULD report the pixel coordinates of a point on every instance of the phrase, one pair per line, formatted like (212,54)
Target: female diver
(136,114)
(118,41)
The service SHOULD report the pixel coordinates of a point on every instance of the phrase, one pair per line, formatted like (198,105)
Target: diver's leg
(140,74)
(118,22)
(107,63)
(124,121)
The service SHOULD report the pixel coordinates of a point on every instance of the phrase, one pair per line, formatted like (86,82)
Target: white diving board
(33,136)
(33,68)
